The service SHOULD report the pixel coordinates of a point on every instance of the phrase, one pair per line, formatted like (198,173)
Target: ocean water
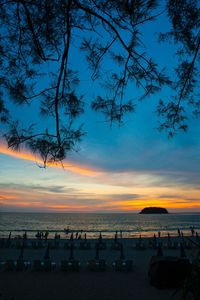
(131,225)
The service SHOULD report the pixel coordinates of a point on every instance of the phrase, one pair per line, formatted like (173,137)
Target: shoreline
(94,234)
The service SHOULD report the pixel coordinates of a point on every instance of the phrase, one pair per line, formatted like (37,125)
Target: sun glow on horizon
(89,189)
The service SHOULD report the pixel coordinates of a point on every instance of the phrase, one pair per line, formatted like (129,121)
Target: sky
(117,169)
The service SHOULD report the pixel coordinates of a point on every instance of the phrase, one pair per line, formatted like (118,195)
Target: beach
(85,284)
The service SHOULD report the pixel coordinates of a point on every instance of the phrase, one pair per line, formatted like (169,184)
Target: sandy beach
(109,284)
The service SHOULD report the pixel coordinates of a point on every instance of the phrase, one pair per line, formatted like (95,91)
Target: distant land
(154,210)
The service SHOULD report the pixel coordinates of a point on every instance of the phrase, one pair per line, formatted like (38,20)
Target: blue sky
(116,168)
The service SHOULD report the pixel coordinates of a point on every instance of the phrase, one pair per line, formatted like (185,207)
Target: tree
(36,34)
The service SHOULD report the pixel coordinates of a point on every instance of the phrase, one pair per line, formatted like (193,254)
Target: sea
(128,224)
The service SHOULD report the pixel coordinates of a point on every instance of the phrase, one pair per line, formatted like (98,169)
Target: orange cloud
(40,205)
(22,204)
(67,207)
(7,197)
(131,205)
(68,165)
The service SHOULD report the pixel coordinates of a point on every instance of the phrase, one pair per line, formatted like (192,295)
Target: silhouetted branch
(63,65)
(188,75)
(40,93)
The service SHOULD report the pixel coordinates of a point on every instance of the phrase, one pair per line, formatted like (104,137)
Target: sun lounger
(188,245)
(37,244)
(140,246)
(85,245)
(67,245)
(115,246)
(102,245)
(123,265)
(96,265)
(70,265)
(171,245)
(45,265)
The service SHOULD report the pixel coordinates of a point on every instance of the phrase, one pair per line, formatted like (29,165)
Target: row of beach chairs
(66,265)
(71,264)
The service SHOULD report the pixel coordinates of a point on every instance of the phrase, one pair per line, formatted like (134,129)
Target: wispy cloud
(68,165)
(39,188)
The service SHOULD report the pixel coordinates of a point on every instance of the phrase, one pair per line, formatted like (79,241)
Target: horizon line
(96,212)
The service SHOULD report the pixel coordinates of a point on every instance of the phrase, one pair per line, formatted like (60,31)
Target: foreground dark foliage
(38,39)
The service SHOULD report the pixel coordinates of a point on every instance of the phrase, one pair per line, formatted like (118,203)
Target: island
(154,210)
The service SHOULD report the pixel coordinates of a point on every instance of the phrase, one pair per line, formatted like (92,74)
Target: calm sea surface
(130,224)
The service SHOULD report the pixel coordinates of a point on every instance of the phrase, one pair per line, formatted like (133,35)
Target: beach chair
(47,264)
(66,246)
(168,245)
(96,265)
(153,242)
(85,245)
(70,265)
(123,265)
(102,246)
(174,245)
(140,245)
(73,265)
(37,244)
(188,245)
(101,243)
(115,246)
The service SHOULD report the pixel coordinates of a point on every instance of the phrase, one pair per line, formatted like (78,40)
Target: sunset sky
(122,171)
(116,169)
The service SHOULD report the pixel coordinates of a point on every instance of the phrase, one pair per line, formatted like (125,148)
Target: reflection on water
(130,224)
